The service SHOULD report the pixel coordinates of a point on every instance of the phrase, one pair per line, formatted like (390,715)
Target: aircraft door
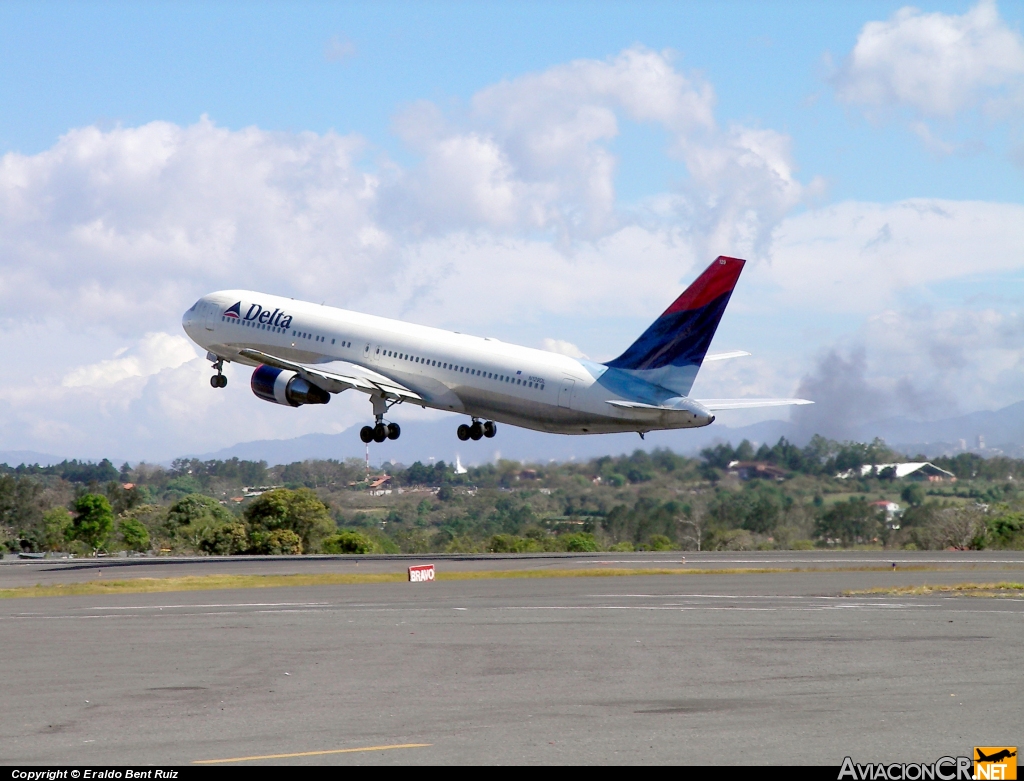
(565,392)
(371,352)
(209,315)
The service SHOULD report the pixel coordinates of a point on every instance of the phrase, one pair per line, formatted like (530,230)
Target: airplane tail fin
(670,352)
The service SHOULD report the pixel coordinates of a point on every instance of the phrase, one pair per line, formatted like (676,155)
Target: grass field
(217,582)
(969,589)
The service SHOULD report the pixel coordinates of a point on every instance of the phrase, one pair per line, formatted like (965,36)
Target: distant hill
(1003,430)
(17,457)
(437,440)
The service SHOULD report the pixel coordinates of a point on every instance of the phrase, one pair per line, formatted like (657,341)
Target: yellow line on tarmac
(310,753)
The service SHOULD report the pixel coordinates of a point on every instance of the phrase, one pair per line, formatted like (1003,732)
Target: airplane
(998,756)
(304,352)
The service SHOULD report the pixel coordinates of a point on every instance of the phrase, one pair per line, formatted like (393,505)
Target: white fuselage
(481,377)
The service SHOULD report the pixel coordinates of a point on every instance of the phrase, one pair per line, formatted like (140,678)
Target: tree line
(643,501)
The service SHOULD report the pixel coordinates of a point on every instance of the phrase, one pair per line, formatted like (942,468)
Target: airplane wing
(725,356)
(720,404)
(335,382)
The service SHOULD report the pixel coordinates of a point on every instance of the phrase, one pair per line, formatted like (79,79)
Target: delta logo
(995,762)
(258,314)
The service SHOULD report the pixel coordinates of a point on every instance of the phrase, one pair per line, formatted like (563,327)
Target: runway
(711,669)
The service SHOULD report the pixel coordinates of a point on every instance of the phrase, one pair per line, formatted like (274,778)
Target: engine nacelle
(286,387)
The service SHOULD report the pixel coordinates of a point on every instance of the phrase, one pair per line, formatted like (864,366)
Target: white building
(915,470)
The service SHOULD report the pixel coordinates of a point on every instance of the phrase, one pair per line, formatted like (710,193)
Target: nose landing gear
(476,431)
(219,380)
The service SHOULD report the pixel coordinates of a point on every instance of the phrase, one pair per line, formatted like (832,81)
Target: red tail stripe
(718,278)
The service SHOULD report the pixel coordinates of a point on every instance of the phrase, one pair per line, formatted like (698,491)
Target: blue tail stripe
(675,339)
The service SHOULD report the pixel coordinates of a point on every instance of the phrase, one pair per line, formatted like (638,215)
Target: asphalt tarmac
(712,669)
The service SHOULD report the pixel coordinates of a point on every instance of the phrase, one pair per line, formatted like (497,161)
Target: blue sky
(842,129)
(265,64)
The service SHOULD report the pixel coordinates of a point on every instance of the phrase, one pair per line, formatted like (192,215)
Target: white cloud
(508,219)
(154,353)
(125,228)
(562,347)
(339,48)
(934,64)
(857,257)
(532,153)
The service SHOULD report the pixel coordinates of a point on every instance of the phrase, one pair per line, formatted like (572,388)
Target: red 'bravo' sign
(421,573)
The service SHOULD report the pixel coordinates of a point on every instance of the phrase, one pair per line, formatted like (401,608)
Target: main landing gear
(477,430)
(219,380)
(382,430)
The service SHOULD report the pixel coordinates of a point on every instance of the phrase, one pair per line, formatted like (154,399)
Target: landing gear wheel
(218,381)
(490,429)
(463,432)
(394,431)
(366,434)
(476,431)
(380,432)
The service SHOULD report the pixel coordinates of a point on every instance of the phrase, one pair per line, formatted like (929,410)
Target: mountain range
(1001,432)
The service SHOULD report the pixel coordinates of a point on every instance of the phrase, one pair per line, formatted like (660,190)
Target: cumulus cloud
(121,228)
(153,353)
(861,257)
(562,347)
(533,153)
(507,218)
(934,64)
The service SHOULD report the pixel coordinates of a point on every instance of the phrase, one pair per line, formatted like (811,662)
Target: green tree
(134,534)
(228,539)
(93,521)
(852,521)
(280,542)
(298,511)
(348,542)
(194,508)
(1006,530)
(580,542)
(660,542)
(56,527)
(194,520)
(913,494)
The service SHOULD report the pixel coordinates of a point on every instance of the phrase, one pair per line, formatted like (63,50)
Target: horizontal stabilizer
(336,382)
(639,405)
(725,356)
(719,404)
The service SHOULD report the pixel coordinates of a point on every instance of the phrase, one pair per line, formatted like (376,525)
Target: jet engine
(286,387)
